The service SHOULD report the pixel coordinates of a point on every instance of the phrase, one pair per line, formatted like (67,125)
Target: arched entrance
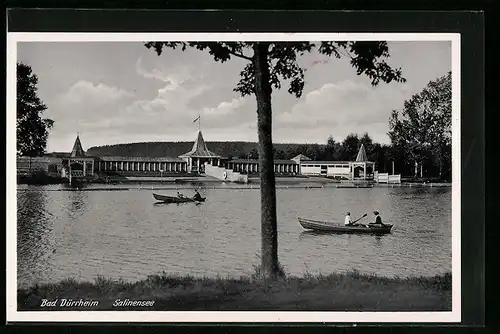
(359,171)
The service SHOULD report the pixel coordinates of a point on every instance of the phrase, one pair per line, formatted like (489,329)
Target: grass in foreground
(333,292)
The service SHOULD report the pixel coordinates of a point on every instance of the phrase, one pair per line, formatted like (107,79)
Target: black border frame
(469,24)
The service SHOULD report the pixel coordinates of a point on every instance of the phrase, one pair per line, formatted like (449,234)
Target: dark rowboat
(174,199)
(323,226)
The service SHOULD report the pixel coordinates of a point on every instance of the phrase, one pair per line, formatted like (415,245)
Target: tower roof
(361,154)
(301,157)
(200,149)
(77,151)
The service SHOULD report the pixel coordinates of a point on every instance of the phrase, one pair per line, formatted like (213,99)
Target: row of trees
(331,151)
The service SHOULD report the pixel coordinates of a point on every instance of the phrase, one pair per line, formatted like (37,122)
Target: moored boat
(323,226)
(174,199)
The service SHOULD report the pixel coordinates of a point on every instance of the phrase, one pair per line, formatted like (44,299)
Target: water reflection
(34,233)
(77,203)
(159,204)
(313,234)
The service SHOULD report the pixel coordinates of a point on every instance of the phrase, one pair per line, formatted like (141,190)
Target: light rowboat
(323,226)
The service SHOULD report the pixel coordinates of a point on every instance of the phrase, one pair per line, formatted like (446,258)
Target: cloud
(84,92)
(345,107)
(225,107)
(171,102)
(173,76)
(173,105)
(107,112)
(87,107)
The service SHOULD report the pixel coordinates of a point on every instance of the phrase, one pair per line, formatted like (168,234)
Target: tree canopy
(422,129)
(32,129)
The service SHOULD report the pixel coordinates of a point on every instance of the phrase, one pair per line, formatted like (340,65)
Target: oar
(363,216)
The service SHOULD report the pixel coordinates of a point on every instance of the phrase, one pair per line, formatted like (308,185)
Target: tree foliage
(422,129)
(32,129)
(350,147)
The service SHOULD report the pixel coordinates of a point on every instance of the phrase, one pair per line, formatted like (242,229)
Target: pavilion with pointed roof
(78,165)
(200,154)
(77,151)
(362,168)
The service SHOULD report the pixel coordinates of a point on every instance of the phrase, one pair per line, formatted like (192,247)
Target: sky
(122,92)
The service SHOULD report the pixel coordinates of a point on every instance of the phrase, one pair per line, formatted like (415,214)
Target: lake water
(123,234)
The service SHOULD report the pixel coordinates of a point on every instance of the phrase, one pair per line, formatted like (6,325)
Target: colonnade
(253,167)
(149,166)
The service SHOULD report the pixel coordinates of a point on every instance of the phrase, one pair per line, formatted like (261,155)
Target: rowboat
(323,226)
(174,199)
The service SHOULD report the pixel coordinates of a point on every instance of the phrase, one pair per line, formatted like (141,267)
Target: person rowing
(349,222)
(197,196)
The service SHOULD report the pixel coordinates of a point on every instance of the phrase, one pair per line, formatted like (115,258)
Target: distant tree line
(346,150)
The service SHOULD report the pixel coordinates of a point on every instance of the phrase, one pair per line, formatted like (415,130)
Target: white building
(361,169)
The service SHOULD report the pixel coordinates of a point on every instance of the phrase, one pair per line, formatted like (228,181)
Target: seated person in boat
(179,194)
(197,196)
(347,220)
(378,220)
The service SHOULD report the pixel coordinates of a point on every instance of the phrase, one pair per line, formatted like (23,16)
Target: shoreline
(254,183)
(138,187)
(351,291)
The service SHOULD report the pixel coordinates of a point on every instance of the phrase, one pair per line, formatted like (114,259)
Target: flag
(197,118)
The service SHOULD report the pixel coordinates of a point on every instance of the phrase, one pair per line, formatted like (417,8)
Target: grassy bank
(333,292)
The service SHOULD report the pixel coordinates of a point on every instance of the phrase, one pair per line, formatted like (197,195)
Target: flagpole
(199,122)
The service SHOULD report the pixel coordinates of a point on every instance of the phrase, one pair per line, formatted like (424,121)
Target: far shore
(351,291)
(255,181)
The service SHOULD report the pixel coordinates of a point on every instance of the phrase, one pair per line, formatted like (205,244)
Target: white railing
(394,178)
(382,178)
(386,178)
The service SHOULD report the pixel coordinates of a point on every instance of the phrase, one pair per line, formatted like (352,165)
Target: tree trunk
(440,162)
(269,246)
